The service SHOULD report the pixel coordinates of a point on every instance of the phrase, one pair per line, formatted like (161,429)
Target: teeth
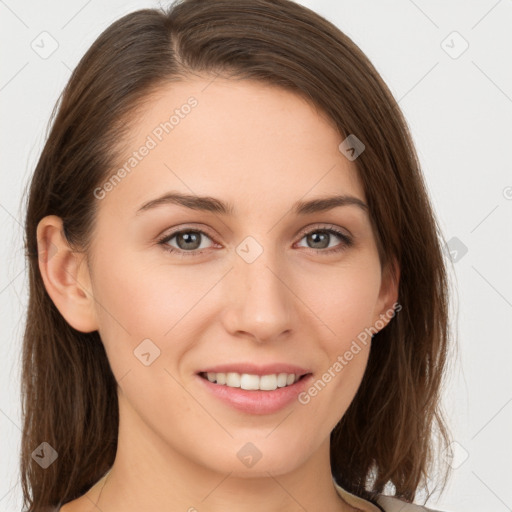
(253,382)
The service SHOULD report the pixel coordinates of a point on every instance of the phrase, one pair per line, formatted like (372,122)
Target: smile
(255,394)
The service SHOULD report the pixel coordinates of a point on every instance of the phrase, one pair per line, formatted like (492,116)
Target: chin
(252,462)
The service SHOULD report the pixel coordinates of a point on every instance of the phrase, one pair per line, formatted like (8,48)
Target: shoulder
(391,504)
(83,503)
(76,505)
(381,503)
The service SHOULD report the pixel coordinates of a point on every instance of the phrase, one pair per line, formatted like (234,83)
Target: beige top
(387,503)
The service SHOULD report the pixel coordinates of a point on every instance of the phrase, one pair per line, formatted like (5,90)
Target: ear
(387,301)
(65,275)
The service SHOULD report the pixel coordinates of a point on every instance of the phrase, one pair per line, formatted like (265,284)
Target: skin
(261,148)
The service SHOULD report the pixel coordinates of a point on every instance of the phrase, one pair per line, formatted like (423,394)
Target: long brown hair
(69,394)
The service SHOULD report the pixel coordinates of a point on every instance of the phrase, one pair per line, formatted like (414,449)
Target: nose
(260,304)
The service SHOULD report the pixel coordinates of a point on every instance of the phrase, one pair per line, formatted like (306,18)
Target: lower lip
(257,401)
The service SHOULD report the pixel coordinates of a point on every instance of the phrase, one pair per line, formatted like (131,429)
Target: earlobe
(65,275)
(388,296)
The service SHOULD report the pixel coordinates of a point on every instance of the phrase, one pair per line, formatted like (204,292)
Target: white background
(460,114)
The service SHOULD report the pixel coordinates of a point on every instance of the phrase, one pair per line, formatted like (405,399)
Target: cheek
(138,307)
(129,299)
(345,301)
(139,300)
(345,309)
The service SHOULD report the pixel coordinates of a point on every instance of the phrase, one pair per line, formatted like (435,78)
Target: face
(258,285)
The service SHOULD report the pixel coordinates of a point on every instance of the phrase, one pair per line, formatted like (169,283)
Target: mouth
(254,394)
(252,382)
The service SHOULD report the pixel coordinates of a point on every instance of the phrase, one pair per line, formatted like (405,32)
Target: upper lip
(255,369)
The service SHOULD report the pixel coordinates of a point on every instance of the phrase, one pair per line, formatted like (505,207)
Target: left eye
(320,236)
(189,241)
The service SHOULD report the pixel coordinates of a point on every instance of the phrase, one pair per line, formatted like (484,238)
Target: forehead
(244,141)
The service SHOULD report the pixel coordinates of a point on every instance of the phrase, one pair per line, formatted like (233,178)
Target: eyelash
(346,241)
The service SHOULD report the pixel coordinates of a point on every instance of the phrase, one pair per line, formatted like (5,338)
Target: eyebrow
(211,204)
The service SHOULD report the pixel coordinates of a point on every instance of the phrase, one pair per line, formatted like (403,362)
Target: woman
(291,357)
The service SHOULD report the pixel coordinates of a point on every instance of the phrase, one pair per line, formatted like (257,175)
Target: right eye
(189,240)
